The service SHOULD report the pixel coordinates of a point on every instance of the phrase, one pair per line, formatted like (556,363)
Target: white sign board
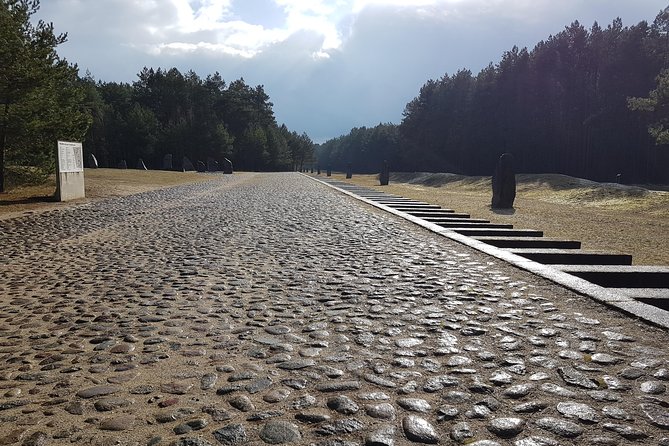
(70,157)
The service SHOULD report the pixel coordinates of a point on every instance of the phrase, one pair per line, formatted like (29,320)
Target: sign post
(70,171)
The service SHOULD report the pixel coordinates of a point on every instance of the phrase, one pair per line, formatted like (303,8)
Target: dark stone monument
(167,162)
(141,165)
(312,168)
(227,166)
(504,183)
(384,176)
(122,165)
(201,167)
(318,170)
(187,165)
(349,171)
(92,161)
(329,172)
(212,165)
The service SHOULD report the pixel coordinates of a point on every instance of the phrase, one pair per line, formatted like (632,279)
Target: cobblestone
(267,309)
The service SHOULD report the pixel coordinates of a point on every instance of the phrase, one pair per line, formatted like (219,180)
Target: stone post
(349,171)
(504,183)
(227,166)
(384,176)
(92,161)
(167,162)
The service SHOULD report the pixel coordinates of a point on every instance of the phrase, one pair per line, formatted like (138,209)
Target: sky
(327,65)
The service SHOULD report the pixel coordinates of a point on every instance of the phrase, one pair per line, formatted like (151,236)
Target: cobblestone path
(269,309)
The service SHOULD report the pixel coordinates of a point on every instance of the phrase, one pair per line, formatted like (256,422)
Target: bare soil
(99,184)
(603,216)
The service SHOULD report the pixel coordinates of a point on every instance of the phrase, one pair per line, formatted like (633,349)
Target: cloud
(328,65)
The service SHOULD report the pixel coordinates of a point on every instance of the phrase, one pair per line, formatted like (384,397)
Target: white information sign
(70,157)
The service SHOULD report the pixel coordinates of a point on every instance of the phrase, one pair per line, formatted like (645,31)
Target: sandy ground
(99,184)
(603,216)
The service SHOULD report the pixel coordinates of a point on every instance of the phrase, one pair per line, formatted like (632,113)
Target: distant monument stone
(329,172)
(122,165)
(349,171)
(186,165)
(92,161)
(141,165)
(201,167)
(384,176)
(167,162)
(312,168)
(227,166)
(212,165)
(504,183)
(318,170)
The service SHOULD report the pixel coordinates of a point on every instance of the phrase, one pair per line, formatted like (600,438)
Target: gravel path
(267,309)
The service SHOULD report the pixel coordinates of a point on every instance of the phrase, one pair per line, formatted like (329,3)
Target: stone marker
(349,171)
(70,171)
(167,162)
(92,161)
(141,165)
(122,165)
(227,166)
(201,167)
(384,176)
(504,183)
(318,170)
(212,165)
(329,172)
(187,165)
(312,168)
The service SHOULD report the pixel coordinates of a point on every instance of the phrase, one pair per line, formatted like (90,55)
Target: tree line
(184,115)
(590,103)
(44,99)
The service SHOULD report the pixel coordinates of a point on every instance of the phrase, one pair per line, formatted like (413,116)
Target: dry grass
(603,216)
(99,183)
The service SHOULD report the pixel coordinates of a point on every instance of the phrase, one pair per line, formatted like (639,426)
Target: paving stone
(98,391)
(657,415)
(414,404)
(107,404)
(536,441)
(242,402)
(338,386)
(340,427)
(419,430)
(506,427)
(653,387)
(343,405)
(383,411)
(383,436)
(562,428)
(120,423)
(313,417)
(461,432)
(582,412)
(627,432)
